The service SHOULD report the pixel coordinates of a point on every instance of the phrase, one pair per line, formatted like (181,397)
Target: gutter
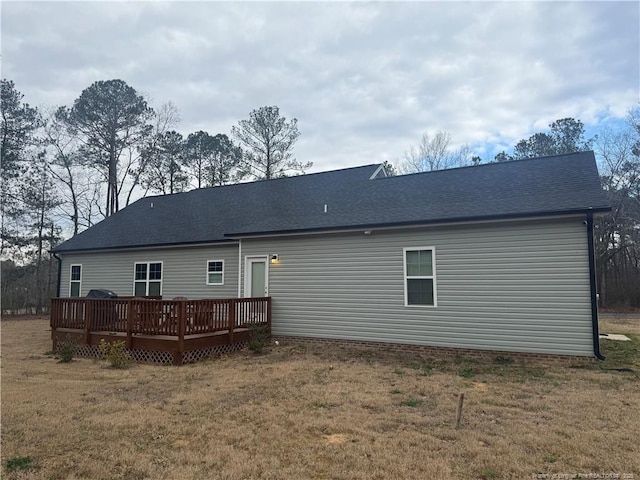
(55,255)
(592,282)
(417,223)
(151,246)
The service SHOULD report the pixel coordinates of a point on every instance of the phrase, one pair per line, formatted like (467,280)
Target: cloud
(365,80)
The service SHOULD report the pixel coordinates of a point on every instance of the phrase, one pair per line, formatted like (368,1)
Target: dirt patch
(336,438)
(480,387)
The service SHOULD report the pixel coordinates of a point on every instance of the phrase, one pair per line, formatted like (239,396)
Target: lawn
(307,413)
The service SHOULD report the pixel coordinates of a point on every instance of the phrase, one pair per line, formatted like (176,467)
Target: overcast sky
(364,80)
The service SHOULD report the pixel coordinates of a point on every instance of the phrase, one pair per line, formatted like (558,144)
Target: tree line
(68,167)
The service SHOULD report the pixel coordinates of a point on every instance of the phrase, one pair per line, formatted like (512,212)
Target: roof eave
(442,221)
(224,241)
(231,237)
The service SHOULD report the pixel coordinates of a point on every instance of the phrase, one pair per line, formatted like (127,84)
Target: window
(420,278)
(147,279)
(215,272)
(75,282)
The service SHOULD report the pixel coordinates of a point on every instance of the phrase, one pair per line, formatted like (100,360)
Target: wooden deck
(164,331)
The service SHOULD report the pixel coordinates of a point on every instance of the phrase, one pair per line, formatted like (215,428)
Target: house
(496,257)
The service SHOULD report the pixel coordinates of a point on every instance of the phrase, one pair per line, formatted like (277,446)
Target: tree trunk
(112,195)
(39,279)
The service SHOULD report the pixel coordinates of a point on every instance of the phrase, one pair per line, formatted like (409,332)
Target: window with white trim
(147,279)
(420,277)
(215,272)
(75,280)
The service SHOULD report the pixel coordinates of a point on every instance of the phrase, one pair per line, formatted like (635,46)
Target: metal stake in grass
(459,409)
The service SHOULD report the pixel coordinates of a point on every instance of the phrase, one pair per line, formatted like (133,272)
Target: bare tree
(65,166)
(434,153)
(40,198)
(618,234)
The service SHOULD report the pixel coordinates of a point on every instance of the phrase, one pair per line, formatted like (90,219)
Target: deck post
(182,313)
(269,316)
(54,314)
(88,317)
(129,323)
(232,318)
(177,358)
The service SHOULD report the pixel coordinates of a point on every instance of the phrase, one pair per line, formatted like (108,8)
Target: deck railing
(177,318)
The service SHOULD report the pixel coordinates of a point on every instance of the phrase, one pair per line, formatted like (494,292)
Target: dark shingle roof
(542,186)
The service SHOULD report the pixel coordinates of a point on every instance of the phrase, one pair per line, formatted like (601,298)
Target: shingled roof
(545,186)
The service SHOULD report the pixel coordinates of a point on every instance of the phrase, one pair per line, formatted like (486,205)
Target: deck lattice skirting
(165,358)
(159,331)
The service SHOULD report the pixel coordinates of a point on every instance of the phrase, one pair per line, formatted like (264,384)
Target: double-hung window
(147,279)
(75,283)
(420,277)
(215,272)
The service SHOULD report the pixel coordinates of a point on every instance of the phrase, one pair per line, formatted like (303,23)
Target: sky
(365,80)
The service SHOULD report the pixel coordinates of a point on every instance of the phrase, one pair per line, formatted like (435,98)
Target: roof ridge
(489,164)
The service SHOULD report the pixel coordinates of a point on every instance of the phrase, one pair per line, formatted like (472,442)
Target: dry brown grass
(297,413)
(628,324)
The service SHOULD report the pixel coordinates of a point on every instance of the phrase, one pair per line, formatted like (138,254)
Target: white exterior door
(256,275)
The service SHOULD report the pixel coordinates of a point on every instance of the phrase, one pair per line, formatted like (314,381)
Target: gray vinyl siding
(183,271)
(505,286)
